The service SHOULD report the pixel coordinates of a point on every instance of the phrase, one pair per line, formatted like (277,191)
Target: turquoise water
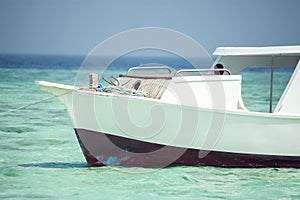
(41,159)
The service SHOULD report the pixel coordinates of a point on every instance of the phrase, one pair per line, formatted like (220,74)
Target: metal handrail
(149,68)
(201,70)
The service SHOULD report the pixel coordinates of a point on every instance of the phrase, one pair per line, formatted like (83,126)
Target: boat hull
(101,149)
(141,132)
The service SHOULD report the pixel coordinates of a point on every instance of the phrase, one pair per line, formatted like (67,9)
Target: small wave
(14,129)
(55,165)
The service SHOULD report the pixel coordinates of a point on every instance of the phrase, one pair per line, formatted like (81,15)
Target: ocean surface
(40,157)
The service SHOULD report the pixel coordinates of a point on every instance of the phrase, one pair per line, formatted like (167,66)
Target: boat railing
(214,71)
(164,68)
(167,72)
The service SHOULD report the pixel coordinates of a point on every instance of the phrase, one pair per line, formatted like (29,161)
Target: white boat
(188,117)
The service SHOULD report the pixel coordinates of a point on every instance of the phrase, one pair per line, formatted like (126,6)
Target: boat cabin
(237,58)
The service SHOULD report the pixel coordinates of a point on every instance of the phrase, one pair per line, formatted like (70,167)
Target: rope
(34,103)
(109,89)
(125,91)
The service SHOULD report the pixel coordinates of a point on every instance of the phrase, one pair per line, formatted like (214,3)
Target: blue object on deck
(100,88)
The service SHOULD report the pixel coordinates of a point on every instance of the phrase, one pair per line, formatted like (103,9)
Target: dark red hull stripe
(102,149)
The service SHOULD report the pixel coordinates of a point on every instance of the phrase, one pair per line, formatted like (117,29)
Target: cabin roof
(270,50)
(236,59)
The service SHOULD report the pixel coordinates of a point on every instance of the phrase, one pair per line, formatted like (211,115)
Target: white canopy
(248,51)
(237,58)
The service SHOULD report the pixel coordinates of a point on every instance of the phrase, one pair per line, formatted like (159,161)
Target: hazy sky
(77,26)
